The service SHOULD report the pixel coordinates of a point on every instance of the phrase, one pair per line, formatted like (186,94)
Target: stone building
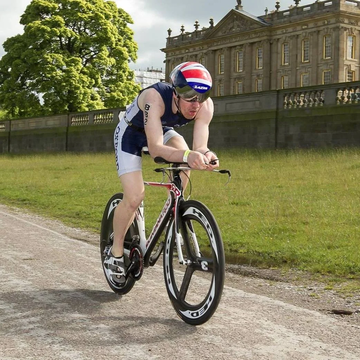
(300,46)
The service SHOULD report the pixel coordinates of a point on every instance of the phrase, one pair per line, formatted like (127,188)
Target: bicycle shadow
(94,315)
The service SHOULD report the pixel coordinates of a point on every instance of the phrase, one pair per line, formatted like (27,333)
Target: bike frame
(169,210)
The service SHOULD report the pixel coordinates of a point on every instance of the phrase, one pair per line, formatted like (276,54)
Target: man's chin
(190,116)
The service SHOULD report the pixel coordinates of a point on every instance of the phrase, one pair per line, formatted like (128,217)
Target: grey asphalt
(55,304)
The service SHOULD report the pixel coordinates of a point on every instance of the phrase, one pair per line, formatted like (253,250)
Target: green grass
(283,209)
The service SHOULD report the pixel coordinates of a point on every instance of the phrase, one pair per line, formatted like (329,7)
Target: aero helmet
(192,81)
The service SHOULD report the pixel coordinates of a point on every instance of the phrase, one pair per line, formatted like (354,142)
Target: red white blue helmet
(191,80)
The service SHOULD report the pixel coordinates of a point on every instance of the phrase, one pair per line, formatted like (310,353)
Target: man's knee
(133,201)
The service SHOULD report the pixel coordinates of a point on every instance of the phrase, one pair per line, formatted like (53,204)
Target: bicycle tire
(106,241)
(195,298)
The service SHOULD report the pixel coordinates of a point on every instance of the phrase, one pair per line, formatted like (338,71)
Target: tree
(2,114)
(73,56)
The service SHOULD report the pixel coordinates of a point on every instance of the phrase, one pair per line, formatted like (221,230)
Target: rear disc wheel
(106,241)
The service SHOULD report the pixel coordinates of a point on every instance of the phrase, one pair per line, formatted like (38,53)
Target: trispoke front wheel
(194,272)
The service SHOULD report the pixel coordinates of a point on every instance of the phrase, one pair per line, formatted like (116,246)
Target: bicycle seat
(145,150)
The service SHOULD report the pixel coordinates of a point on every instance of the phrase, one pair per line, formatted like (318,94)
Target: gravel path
(55,304)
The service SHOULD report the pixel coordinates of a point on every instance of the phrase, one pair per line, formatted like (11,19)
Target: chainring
(137,262)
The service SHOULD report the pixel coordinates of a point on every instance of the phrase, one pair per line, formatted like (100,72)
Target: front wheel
(194,298)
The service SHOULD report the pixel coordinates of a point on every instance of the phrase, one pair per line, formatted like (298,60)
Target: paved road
(55,304)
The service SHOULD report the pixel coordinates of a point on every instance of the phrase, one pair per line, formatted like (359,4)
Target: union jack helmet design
(191,79)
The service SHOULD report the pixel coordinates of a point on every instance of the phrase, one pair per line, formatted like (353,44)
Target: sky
(152,19)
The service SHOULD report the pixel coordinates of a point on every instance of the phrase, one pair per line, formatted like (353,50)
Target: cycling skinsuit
(129,135)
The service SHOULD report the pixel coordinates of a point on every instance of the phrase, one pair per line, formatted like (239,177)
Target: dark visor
(190,95)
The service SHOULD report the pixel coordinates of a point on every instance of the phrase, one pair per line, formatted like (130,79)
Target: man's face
(189,107)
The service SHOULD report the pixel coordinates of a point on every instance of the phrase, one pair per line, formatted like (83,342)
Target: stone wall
(322,116)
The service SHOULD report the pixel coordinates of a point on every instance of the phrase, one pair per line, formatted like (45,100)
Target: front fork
(179,239)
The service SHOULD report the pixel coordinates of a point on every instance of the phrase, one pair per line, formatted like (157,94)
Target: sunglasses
(193,96)
(194,99)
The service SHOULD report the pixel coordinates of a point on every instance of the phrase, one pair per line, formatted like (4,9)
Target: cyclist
(150,121)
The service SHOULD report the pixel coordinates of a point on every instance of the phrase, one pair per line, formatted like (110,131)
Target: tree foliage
(73,56)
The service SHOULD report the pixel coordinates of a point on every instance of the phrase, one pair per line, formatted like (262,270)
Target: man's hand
(199,161)
(211,160)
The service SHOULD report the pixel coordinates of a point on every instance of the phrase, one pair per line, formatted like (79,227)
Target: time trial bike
(192,246)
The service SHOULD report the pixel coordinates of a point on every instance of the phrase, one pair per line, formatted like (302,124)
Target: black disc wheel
(106,241)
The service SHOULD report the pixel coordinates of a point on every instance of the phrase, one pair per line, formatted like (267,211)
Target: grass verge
(282,209)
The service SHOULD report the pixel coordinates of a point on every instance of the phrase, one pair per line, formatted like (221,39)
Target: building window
(350,75)
(221,63)
(305,50)
(258,85)
(305,79)
(351,47)
(284,82)
(327,47)
(259,58)
(285,54)
(220,89)
(239,87)
(240,61)
(202,60)
(326,78)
